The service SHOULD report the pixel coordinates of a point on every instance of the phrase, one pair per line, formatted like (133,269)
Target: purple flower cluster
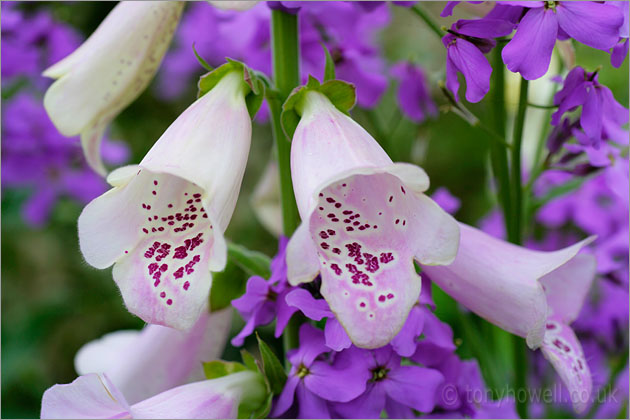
(347,29)
(538,25)
(417,372)
(602,118)
(34,155)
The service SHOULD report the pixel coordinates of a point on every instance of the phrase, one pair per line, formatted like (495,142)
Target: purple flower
(316,381)
(446,200)
(620,50)
(602,117)
(414,94)
(37,157)
(529,51)
(391,386)
(264,300)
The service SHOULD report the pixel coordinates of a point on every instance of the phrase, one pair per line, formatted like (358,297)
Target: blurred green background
(53,302)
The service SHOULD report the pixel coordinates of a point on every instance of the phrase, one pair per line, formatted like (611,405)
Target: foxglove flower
(94,396)
(364,221)
(414,94)
(393,387)
(109,71)
(316,381)
(162,224)
(532,294)
(591,23)
(145,363)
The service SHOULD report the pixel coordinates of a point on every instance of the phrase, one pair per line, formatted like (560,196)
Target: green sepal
(219,368)
(254,80)
(341,94)
(273,371)
(253,263)
(329,68)
(200,59)
(230,283)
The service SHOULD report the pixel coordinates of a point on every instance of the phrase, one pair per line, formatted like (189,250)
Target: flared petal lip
(536,333)
(403,171)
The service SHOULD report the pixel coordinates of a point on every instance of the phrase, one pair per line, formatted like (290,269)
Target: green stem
(520,362)
(498,154)
(286,76)
(432,24)
(517,187)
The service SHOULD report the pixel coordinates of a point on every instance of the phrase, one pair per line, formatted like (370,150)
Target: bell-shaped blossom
(144,363)
(591,23)
(94,396)
(109,71)
(315,381)
(365,220)
(529,293)
(162,224)
(392,387)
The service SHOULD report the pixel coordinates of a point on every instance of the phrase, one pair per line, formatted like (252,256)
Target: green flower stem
(432,24)
(286,76)
(517,187)
(498,154)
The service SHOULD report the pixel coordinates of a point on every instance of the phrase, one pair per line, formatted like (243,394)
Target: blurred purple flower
(37,157)
(264,300)
(620,50)
(602,117)
(591,23)
(446,200)
(316,381)
(414,93)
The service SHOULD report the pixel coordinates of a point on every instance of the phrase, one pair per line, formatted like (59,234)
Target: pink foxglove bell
(162,224)
(533,294)
(365,220)
(109,71)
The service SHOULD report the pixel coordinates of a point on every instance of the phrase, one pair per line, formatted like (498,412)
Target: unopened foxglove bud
(109,71)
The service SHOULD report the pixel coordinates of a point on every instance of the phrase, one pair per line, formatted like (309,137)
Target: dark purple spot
(402,189)
(386,257)
(337,205)
(330,199)
(324,245)
(163,294)
(153,192)
(154,182)
(169,301)
(381,298)
(390,296)
(336,269)
(347,212)
(186,285)
(336,251)
(391,197)
(349,228)
(323,235)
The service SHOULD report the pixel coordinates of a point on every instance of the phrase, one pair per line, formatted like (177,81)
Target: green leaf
(219,368)
(227,285)
(203,62)
(329,69)
(253,263)
(249,360)
(272,368)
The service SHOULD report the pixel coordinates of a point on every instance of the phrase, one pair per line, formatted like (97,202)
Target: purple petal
(529,51)
(255,295)
(413,386)
(591,118)
(284,312)
(446,200)
(405,342)
(336,337)
(484,28)
(413,92)
(286,397)
(311,345)
(469,60)
(315,309)
(448,9)
(395,410)
(452,82)
(334,384)
(619,53)
(311,406)
(593,24)
(367,406)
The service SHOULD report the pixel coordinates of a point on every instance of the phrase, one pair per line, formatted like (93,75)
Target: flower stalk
(517,188)
(286,76)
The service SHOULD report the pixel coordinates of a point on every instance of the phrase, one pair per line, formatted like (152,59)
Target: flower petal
(529,51)
(562,348)
(335,384)
(87,397)
(591,118)
(469,60)
(311,406)
(592,24)
(367,406)
(285,400)
(302,262)
(500,282)
(336,337)
(120,177)
(413,386)
(405,341)
(315,309)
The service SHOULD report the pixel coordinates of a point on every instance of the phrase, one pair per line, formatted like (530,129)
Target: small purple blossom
(591,23)
(264,300)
